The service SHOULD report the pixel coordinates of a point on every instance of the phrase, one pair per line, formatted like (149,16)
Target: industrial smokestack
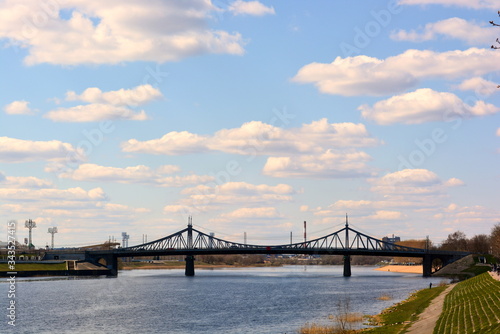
(305,231)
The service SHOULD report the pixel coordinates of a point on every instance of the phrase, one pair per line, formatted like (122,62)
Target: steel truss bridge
(346,241)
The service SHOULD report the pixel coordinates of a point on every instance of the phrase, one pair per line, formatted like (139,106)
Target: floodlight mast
(30,224)
(52,230)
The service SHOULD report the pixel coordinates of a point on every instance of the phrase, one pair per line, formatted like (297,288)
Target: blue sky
(250,116)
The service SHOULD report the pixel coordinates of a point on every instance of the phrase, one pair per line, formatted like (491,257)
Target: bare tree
(456,241)
(495,240)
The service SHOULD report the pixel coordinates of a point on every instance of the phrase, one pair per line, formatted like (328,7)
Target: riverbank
(417,269)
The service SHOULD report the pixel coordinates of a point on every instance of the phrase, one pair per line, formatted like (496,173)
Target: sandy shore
(402,269)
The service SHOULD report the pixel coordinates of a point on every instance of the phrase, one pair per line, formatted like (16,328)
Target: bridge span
(347,242)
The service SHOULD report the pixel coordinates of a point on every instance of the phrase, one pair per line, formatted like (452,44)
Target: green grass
(398,317)
(34,266)
(473,306)
(477,270)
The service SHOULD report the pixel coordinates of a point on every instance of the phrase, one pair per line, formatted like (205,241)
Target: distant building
(392,239)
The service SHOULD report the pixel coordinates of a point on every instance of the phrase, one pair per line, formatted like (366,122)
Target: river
(273,300)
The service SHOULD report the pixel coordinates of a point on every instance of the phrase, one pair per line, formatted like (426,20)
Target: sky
(250,116)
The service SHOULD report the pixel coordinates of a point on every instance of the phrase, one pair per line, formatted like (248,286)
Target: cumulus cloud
(479,85)
(25,182)
(14,150)
(319,149)
(39,195)
(454,182)
(137,174)
(18,108)
(362,75)
(96,32)
(240,7)
(423,105)
(239,193)
(474,4)
(386,215)
(330,164)
(454,27)
(253,213)
(123,97)
(95,112)
(111,105)
(258,138)
(412,182)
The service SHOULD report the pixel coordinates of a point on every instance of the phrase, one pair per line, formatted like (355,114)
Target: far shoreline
(414,269)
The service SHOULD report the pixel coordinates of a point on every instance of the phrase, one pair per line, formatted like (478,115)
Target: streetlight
(30,224)
(52,230)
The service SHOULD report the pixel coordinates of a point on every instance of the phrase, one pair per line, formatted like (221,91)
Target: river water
(232,300)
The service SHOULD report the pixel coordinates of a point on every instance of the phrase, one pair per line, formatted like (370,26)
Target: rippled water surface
(234,300)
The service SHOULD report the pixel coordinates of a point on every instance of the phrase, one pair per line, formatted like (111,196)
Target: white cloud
(19,108)
(14,150)
(480,86)
(98,32)
(172,143)
(319,149)
(25,182)
(95,112)
(41,195)
(240,7)
(474,4)
(498,132)
(362,75)
(386,215)
(336,164)
(257,138)
(253,213)
(411,182)
(123,97)
(137,174)
(454,182)
(423,105)
(454,27)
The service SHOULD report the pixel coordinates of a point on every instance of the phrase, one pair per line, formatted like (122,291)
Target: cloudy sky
(251,116)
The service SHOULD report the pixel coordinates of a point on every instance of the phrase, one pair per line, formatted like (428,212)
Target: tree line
(480,243)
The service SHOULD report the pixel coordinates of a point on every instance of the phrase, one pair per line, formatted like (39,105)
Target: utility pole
(52,230)
(30,224)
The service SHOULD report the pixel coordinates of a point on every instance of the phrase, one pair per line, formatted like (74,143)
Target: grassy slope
(473,306)
(34,266)
(399,316)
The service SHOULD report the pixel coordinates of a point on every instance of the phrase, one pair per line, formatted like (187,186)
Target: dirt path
(428,318)
(494,275)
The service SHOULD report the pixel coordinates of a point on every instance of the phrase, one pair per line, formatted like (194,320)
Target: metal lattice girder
(334,241)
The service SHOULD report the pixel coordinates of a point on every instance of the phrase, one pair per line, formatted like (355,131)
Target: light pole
(30,224)
(52,230)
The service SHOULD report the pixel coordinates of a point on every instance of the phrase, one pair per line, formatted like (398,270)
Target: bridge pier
(427,266)
(189,265)
(347,265)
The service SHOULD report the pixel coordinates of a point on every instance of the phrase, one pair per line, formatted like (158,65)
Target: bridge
(347,242)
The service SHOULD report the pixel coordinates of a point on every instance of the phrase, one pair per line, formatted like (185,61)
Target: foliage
(473,306)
